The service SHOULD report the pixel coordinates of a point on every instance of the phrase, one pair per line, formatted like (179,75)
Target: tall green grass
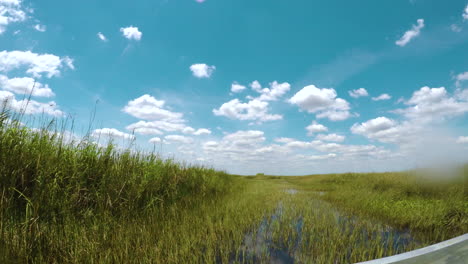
(49,184)
(433,205)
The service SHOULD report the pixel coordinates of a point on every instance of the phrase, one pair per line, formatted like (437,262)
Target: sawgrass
(73,201)
(433,205)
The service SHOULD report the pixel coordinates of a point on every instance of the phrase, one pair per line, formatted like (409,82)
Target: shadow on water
(259,246)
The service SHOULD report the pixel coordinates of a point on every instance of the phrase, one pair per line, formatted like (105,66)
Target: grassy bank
(433,205)
(62,200)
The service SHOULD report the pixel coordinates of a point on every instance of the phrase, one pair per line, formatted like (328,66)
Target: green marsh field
(78,202)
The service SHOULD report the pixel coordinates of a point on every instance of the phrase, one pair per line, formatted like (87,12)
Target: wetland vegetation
(77,202)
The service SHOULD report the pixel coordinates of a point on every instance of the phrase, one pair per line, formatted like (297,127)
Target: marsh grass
(66,200)
(434,208)
(61,200)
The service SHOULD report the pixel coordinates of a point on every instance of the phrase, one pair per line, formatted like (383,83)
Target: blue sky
(280,87)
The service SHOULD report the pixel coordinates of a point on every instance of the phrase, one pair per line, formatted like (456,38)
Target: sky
(278,87)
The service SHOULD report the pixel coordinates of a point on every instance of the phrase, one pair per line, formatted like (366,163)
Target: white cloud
(237,142)
(69,62)
(25,86)
(202,131)
(131,32)
(273,93)
(36,64)
(111,133)
(462,140)
(202,70)
(243,138)
(465,13)
(157,120)
(411,34)
(158,126)
(322,102)
(40,28)
(321,157)
(382,97)
(155,140)
(460,78)
(101,36)
(10,12)
(200,1)
(331,137)
(248,152)
(461,94)
(237,88)
(346,151)
(255,110)
(361,92)
(149,108)
(387,130)
(179,139)
(373,126)
(146,131)
(29,107)
(433,104)
(256,86)
(284,140)
(144,127)
(316,128)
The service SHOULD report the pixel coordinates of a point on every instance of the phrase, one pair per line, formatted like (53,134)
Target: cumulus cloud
(156,119)
(25,85)
(36,64)
(202,131)
(256,86)
(347,151)
(111,133)
(254,110)
(322,102)
(251,149)
(11,11)
(131,33)
(284,140)
(158,126)
(237,88)
(149,108)
(101,36)
(331,137)
(382,97)
(411,34)
(40,28)
(316,128)
(433,104)
(361,92)
(320,157)
(179,139)
(405,134)
(155,140)
(461,77)
(462,140)
(202,70)
(276,90)
(236,142)
(373,126)
(29,107)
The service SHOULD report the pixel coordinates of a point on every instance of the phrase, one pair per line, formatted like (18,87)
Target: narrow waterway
(286,236)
